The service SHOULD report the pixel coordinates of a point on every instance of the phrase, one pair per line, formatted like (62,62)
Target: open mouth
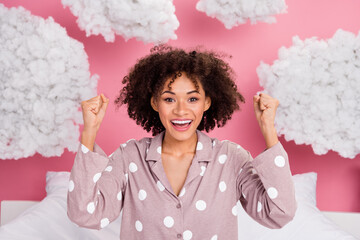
(181,125)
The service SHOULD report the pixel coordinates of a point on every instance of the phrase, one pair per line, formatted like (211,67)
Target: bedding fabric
(48,219)
(308,223)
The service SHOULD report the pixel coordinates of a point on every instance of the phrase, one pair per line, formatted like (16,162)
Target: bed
(47,219)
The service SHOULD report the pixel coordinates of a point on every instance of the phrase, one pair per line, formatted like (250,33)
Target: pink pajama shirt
(133,180)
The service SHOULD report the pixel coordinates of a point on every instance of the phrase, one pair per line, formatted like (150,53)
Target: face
(181,108)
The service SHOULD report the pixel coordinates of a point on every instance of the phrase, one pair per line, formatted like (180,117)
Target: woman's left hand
(265,109)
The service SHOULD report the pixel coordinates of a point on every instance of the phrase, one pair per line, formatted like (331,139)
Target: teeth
(181,122)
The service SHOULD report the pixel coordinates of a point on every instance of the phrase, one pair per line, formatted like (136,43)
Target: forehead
(182,83)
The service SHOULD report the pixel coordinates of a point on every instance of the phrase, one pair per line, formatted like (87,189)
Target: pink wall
(338,178)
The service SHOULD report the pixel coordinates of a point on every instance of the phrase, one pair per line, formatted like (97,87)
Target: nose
(180,108)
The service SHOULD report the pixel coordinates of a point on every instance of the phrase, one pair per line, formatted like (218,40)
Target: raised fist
(93,112)
(265,109)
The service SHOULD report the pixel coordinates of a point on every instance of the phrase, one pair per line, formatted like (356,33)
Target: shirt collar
(203,149)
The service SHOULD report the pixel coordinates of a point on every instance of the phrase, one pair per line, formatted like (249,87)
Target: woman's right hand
(93,112)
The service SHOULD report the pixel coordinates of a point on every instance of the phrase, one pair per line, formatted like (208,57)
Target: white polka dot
(234,210)
(142,194)
(200,205)
(187,235)
(147,150)
(104,222)
(279,161)
(133,167)
(108,168)
(119,196)
(160,186)
(222,158)
(259,206)
(126,176)
(96,177)
(168,222)
(138,226)
(203,168)
(272,192)
(214,237)
(71,185)
(123,145)
(222,186)
(159,150)
(182,192)
(199,146)
(90,207)
(84,149)
(240,170)
(98,192)
(238,146)
(214,143)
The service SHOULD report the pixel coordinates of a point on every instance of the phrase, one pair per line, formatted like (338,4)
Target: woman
(180,184)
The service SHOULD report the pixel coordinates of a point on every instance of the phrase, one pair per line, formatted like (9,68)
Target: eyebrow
(194,91)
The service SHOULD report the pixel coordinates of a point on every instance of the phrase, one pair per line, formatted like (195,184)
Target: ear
(153,104)
(207,103)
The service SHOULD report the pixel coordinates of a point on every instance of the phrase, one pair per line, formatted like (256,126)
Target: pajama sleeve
(265,187)
(96,187)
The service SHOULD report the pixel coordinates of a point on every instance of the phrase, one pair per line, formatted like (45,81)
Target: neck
(175,147)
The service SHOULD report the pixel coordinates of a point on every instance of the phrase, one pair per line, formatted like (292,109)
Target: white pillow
(48,219)
(308,223)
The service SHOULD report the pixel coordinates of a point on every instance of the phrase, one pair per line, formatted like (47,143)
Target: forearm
(268,192)
(88,139)
(270,135)
(87,177)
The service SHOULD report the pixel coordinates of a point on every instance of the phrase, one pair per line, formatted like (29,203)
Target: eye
(193,99)
(168,99)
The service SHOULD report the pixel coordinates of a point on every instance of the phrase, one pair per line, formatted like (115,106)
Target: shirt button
(179,235)
(178,206)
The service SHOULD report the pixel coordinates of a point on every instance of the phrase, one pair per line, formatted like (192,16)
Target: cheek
(163,112)
(199,111)
(163,109)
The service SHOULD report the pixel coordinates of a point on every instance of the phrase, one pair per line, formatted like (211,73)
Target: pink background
(338,178)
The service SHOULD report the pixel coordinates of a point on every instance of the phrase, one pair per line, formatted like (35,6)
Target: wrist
(90,130)
(270,136)
(267,124)
(88,139)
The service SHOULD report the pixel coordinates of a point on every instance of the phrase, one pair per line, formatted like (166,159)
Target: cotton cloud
(234,12)
(147,20)
(318,83)
(44,75)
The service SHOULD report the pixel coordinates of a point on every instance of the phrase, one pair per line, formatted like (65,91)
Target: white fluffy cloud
(318,83)
(147,20)
(44,75)
(235,12)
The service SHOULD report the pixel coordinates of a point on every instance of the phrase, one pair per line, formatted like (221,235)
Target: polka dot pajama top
(132,179)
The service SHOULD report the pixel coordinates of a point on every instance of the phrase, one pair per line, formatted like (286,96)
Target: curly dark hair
(147,77)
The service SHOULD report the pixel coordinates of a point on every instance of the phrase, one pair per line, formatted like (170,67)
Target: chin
(181,135)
